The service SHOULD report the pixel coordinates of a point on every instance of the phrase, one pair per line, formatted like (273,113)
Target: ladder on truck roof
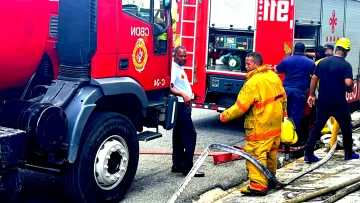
(186,7)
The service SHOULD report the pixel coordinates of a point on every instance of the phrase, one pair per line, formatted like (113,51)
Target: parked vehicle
(114,79)
(219,34)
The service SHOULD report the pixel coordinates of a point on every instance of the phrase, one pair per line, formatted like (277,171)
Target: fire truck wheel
(107,160)
(10,185)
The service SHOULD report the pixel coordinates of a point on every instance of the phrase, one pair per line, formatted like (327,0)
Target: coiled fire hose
(328,190)
(262,168)
(356,181)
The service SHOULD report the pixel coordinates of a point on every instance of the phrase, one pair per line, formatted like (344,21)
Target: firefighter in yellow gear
(263,101)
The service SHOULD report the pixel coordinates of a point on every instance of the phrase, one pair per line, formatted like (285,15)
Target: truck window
(138,8)
(160,22)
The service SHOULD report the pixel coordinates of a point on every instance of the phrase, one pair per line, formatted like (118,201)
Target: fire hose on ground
(334,128)
(262,168)
(355,182)
(328,190)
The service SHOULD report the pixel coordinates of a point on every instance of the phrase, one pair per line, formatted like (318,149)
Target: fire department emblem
(139,55)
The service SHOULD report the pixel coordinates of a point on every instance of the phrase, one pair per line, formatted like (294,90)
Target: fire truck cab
(114,80)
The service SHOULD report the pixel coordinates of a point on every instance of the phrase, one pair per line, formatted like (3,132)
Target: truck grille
(81,73)
(54,24)
(93,13)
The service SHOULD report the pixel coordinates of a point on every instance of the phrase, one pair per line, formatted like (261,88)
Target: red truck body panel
(24,40)
(118,34)
(199,51)
(50,47)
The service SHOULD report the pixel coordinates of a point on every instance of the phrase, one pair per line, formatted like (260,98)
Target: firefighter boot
(309,155)
(353,156)
(311,159)
(246,190)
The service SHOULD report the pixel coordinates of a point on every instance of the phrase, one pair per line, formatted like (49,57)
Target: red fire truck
(28,57)
(113,80)
(219,33)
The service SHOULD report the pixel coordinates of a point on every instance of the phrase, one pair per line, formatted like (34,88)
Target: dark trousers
(184,138)
(340,111)
(295,105)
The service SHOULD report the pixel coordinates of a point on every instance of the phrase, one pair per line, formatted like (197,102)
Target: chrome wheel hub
(111,162)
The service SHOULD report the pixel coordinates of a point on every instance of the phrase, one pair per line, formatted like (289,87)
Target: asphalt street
(154,182)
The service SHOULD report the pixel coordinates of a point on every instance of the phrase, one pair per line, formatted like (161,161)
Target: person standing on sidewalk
(263,101)
(184,133)
(336,78)
(297,69)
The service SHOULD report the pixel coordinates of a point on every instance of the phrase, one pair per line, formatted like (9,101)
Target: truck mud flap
(262,168)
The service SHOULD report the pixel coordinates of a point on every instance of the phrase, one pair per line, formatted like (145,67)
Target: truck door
(274,29)
(140,54)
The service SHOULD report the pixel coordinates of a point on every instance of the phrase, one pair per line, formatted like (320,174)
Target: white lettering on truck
(353,95)
(279,9)
(140,31)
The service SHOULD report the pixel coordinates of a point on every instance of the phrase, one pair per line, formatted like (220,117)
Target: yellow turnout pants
(264,151)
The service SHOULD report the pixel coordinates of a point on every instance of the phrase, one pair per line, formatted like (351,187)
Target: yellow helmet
(288,133)
(344,43)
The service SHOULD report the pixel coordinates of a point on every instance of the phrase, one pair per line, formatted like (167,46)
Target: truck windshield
(142,9)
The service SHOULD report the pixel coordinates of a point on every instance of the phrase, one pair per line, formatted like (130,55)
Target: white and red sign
(353,96)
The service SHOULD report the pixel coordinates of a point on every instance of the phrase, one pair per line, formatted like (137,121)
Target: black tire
(10,186)
(79,180)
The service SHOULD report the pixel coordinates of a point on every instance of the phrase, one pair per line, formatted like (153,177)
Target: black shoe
(177,169)
(197,174)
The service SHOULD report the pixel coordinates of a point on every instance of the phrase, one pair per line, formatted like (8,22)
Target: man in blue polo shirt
(297,69)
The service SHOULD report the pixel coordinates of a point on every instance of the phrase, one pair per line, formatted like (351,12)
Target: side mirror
(167,4)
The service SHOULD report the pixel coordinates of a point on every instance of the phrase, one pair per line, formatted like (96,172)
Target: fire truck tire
(107,160)
(10,186)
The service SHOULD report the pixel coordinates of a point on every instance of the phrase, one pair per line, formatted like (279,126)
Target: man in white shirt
(184,133)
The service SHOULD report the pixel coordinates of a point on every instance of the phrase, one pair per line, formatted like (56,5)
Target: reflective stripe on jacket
(263,99)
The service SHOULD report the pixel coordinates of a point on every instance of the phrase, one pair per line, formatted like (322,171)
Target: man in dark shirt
(297,69)
(336,78)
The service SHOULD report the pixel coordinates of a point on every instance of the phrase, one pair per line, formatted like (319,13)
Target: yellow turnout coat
(263,98)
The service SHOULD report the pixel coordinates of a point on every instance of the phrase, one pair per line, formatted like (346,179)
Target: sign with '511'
(274,29)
